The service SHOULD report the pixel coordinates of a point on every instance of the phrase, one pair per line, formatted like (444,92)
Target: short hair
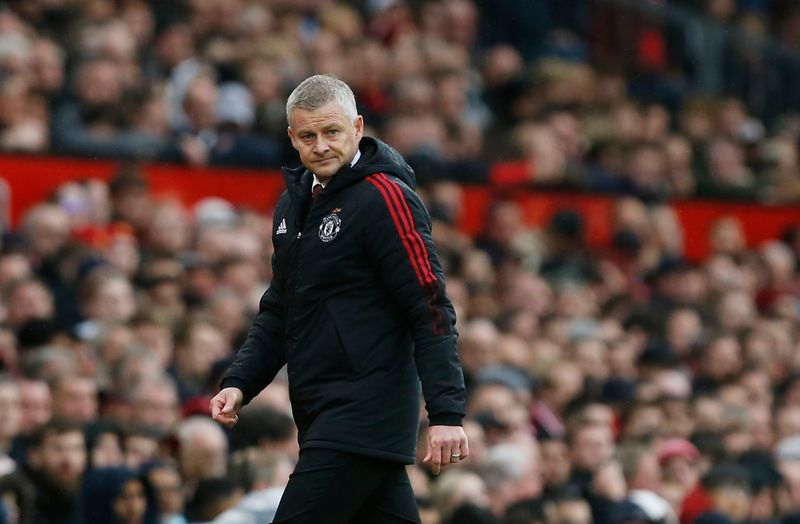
(163,382)
(90,284)
(252,467)
(189,428)
(318,90)
(259,424)
(55,427)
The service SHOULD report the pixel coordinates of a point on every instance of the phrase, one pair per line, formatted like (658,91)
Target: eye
(332,132)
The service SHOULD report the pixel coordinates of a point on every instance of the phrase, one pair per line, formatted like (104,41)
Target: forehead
(328,114)
(58,438)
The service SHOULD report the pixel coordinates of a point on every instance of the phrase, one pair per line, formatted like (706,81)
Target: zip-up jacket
(357,309)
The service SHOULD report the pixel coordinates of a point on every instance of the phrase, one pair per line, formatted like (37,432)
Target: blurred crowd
(611,385)
(661,99)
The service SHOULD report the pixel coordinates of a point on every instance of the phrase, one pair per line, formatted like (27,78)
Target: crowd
(605,386)
(601,95)
(610,386)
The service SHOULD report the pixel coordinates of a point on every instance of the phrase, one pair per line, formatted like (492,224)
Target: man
(202,450)
(57,461)
(358,310)
(11,426)
(75,397)
(36,403)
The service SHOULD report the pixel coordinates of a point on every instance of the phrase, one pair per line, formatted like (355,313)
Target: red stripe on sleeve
(396,219)
(408,224)
(416,239)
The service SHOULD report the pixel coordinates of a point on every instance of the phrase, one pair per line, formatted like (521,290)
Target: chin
(327,172)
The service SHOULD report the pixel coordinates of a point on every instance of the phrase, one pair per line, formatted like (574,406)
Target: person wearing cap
(358,311)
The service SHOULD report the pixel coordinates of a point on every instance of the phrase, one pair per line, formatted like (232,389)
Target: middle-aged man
(357,308)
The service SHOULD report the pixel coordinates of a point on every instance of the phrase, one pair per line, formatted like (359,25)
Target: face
(37,404)
(48,232)
(113,301)
(156,408)
(325,137)
(204,456)
(206,346)
(130,504)
(168,489)
(63,459)
(158,339)
(556,466)
(10,406)
(593,446)
(76,399)
(106,451)
(31,300)
(139,449)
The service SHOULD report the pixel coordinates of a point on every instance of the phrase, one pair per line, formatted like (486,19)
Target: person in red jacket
(358,311)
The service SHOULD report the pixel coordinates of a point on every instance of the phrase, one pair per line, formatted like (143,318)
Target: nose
(321,145)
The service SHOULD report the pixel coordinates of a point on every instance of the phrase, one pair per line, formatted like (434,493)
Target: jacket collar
(376,157)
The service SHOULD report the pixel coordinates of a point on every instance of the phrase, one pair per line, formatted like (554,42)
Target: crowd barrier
(32,179)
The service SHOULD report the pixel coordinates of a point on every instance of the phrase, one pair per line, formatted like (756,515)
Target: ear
(359,125)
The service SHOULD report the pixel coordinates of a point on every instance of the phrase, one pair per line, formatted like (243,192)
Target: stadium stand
(614,189)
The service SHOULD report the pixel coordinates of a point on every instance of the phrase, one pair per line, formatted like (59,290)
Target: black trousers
(334,487)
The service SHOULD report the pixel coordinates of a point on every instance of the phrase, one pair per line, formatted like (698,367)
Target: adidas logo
(281,227)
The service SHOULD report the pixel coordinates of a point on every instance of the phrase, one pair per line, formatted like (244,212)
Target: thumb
(230,404)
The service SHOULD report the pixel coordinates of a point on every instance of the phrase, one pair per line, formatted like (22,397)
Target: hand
(225,405)
(446,445)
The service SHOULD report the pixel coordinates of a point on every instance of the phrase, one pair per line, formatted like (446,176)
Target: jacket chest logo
(329,227)
(281,227)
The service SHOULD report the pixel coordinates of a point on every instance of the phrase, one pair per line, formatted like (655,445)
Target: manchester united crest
(329,227)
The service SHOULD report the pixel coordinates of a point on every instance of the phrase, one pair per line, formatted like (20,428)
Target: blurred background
(614,190)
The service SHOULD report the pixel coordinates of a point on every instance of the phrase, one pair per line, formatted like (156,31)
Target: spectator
(57,462)
(260,475)
(154,403)
(266,428)
(28,299)
(104,445)
(511,475)
(140,445)
(96,124)
(36,403)
(212,498)
(216,119)
(106,296)
(458,487)
(75,398)
(10,402)
(637,365)
(115,495)
(569,506)
(168,491)
(203,449)
(556,465)
(198,345)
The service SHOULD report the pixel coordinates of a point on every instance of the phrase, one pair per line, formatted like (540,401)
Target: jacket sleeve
(400,245)
(262,354)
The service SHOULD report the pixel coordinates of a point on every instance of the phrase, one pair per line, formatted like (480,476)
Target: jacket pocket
(348,349)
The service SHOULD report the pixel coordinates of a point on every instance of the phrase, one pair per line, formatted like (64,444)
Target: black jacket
(357,308)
